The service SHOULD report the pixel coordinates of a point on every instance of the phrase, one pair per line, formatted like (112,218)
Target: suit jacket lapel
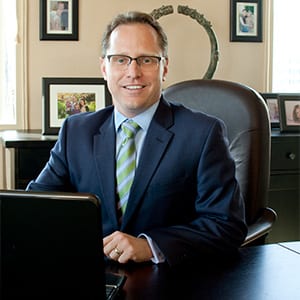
(104,151)
(155,144)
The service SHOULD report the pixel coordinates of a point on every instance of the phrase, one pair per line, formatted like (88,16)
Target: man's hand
(122,247)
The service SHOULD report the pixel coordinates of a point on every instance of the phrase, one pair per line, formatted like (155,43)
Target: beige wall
(189,48)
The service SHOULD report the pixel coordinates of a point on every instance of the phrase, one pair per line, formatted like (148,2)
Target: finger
(107,240)
(112,255)
(116,253)
(111,237)
(108,248)
(124,258)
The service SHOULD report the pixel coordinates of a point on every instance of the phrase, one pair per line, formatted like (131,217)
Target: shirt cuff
(158,256)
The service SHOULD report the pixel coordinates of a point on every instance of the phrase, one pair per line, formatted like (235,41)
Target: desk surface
(25,138)
(293,246)
(259,272)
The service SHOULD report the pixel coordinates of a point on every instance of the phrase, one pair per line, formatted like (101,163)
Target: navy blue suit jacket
(184,195)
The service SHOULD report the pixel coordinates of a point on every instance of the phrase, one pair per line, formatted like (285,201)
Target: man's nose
(134,69)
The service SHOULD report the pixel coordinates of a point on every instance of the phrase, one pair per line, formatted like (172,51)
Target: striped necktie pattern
(126,163)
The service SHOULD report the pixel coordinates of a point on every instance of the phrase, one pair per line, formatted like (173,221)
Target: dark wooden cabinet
(284,191)
(30,151)
(25,155)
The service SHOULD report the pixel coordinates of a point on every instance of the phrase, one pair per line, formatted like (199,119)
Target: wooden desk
(261,272)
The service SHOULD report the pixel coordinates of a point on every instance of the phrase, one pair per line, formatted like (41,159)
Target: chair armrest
(261,227)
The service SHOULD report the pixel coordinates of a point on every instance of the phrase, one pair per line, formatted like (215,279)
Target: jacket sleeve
(54,176)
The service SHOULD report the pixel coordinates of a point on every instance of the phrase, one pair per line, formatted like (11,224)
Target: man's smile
(133,87)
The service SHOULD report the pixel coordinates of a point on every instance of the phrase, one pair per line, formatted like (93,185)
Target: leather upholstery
(245,114)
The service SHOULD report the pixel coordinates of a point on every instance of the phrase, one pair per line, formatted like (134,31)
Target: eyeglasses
(123,61)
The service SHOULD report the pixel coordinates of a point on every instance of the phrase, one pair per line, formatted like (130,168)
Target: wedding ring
(117,251)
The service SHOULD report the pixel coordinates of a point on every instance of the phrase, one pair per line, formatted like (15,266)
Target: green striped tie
(126,163)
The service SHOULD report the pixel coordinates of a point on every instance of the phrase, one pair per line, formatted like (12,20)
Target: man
(184,202)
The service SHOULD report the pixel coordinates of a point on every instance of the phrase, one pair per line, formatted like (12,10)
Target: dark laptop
(51,247)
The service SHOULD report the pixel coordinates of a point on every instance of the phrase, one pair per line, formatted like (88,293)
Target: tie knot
(130,128)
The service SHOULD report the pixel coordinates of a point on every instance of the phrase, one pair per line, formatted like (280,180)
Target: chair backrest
(245,115)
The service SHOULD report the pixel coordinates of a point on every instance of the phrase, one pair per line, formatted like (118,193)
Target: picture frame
(271,100)
(246,21)
(59,20)
(63,97)
(289,108)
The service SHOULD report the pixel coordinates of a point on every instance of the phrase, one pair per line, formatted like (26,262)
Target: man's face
(60,6)
(134,89)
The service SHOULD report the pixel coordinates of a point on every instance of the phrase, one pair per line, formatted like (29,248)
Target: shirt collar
(143,119)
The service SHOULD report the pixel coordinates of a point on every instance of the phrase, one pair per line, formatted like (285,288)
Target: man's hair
(131,18)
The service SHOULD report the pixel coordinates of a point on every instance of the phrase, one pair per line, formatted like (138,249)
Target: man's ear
(166,68)
(102,67)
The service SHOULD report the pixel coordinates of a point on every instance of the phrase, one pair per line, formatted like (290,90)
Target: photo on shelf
(289,108)
(273,108)
(63,97)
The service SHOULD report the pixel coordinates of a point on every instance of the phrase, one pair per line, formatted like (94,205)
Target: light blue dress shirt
(143,120)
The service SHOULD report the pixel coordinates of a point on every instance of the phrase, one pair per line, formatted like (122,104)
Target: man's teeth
(134,87)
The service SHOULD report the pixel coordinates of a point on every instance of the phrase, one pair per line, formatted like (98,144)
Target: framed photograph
(273,108)
(63,97)
(246,21)
(289,108)
(59,20)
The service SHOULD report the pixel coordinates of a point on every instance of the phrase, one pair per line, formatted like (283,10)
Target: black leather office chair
(245,114)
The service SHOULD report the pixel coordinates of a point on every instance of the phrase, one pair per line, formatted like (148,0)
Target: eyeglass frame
(159,58)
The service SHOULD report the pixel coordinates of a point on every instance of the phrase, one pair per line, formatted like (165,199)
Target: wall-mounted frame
(289,112)
(246,21)
(59,20)
(273,108)
(63,97)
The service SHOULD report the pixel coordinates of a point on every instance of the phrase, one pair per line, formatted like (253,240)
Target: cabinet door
(287,205)
(285,154)
(284,193)
(28,164)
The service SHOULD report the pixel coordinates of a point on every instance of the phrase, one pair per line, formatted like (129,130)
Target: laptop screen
(51,245)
